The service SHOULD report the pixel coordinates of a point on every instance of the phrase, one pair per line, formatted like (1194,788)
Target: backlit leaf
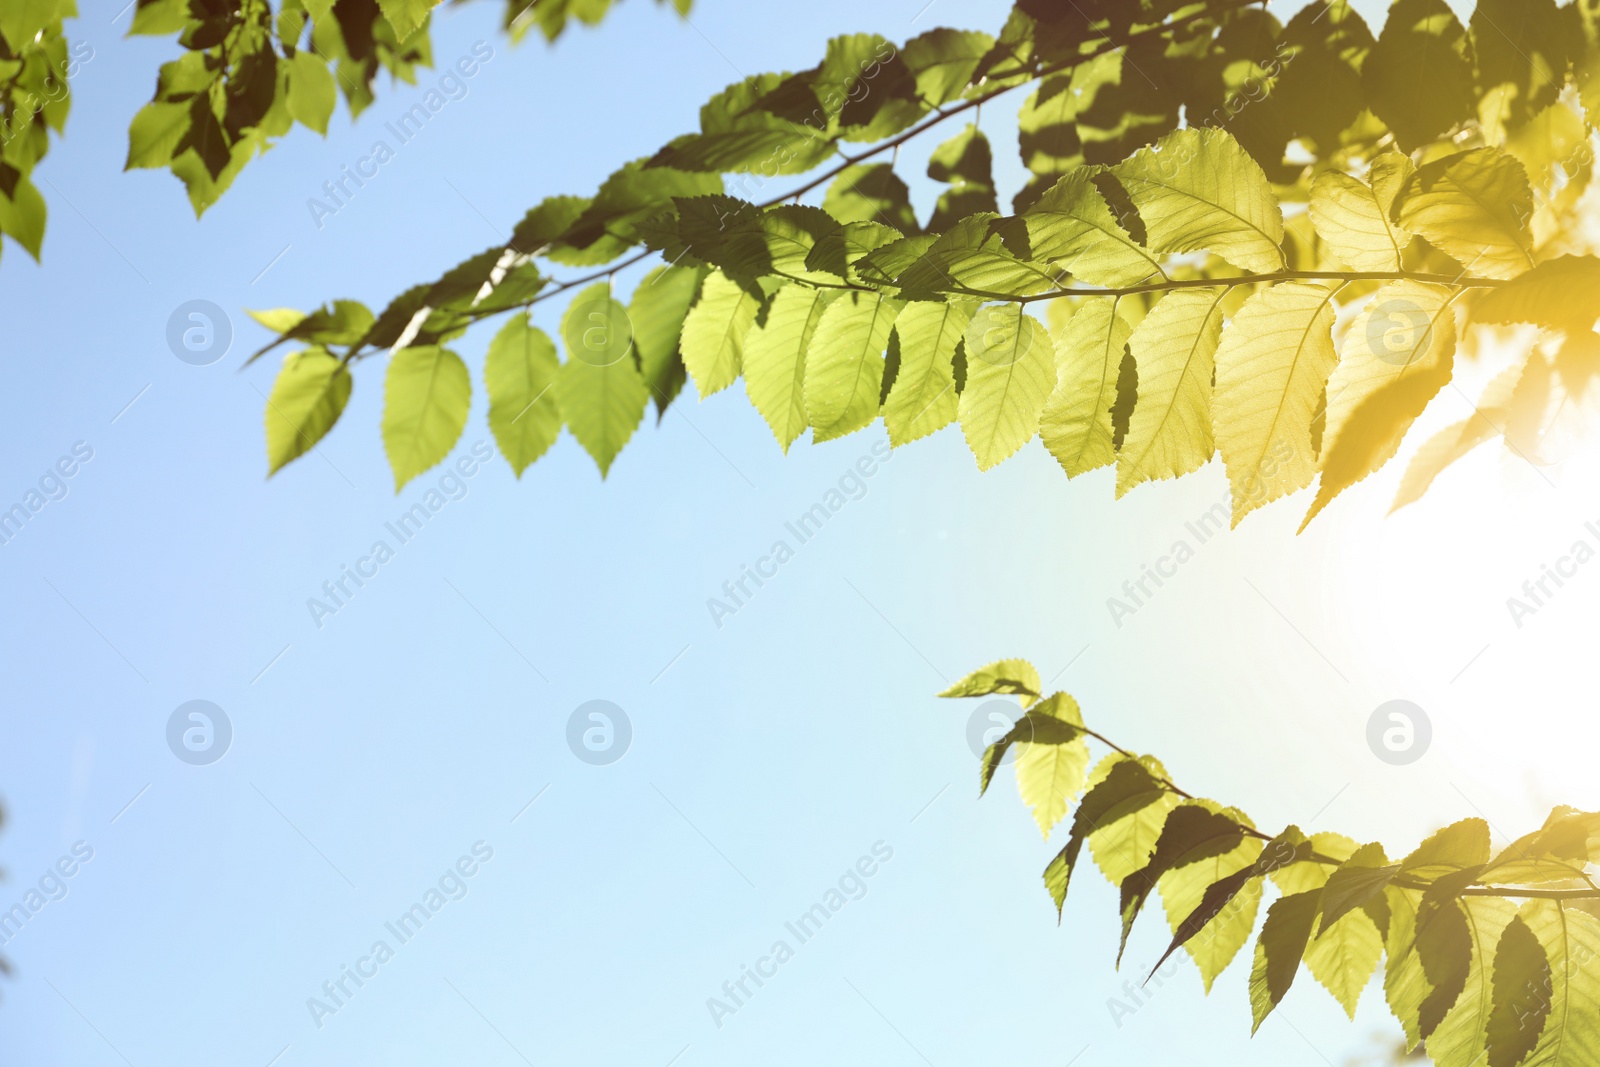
(307,398)
(1076,422)
(1010,373)
(1174,349)
(519,373)
(426,394)
(1197,189)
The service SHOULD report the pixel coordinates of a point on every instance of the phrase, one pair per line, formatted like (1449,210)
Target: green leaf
(1355,218)
(599,390)
(1272,369)
(871,192)
(1121,108)
(426,394)
(1396,356)
(1051,721)
(1417,77)
(844,364)
(22,20)
(966,163)
(1459,1040)
(1405,985)
(775,359)
(1520,49)
(1053,763)
(1563,294)
(863,82)
(1319,92)
(1299,873)
(1122,839)
(1174,349)
(206,137)
(659,309)
(1344,956)
(840,253)
(159,18)
(406,16)
(278,320)
(1194,832)
(971,257)
(1449,851)
(1123,795)
(1011,676)
(1076,422)
(1198,190)
(1225,902)
(1359,879)
(923,398)
(1473,206)
(154,134)
(714,332)
(1010,373)
(943,61)
(22,217)
(519,373)
(307,398)
(1072,228)
(1571,941)
(736,135)
(1519,1013)
(1223,925)
(631,196)
(1047,135)
(753,242)
(1278,951)
(312,92)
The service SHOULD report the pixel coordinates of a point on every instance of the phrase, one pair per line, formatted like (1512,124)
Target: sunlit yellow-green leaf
(1013,676)
(1072,226)
(775,359)
(426,394)
(844,368)
(923,397)
(1198,189)
(1010,372)
(1344,956)
(1571,940)
(307,398)
(1076,422)
(1474,206)
(1174,349)
(1354,217)
(1396,356)
(519,373)
(1272,365)
(1460,1037)
(599,390)
(714,332)
(1051,771)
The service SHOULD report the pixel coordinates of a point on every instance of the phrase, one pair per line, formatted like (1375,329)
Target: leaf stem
(1402,881)
(1344,277)
(1105,45)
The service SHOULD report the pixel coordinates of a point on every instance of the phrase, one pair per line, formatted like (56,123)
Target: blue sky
(769,755)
